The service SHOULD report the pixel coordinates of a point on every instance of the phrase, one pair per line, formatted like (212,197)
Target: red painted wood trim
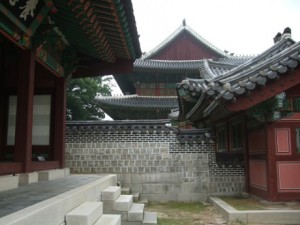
(23,138)
(157,90)
(288,176)
(47,165)
(59,122)
(259,192)
(184,47)
(283,141)
(271,89)
(271,165)
(10,168)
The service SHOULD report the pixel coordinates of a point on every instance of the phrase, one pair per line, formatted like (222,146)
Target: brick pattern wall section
(152,163)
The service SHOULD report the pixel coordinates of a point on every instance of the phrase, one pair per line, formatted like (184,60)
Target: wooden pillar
(1,98)
(59,122)
(157,90)
(271,164)
(23,134)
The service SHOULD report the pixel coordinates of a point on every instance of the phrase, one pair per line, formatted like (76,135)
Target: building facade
(150,90)
(253,110)
(42,45)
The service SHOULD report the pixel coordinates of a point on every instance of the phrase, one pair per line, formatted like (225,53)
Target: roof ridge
(166,60)
(279,46)
(132,96)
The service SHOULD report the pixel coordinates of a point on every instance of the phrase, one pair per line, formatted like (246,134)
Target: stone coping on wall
(141,127)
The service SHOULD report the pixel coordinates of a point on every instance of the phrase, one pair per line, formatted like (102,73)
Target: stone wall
(148,157)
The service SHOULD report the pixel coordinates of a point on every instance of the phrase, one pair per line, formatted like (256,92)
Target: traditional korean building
(150,90)
(42,44)
(253,111)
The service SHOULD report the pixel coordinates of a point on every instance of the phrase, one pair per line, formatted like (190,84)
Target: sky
(243,27)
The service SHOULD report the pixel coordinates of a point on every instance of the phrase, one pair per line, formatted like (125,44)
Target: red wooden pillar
(271,164)
(157,90)
(59,122)
(23,134)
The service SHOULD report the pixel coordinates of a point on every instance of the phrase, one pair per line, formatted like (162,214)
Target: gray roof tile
(253,73)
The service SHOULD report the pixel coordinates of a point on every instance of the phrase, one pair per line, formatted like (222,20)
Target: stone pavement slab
(25,196)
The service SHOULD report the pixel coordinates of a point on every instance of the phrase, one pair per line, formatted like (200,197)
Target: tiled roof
(178,66)
(102,29)
(138,102)
(138,107)
(246,77)
(234,60)
(189,66)
(120,126)
(179,31)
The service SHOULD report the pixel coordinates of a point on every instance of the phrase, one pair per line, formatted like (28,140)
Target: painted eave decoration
(226,89)
(87,37)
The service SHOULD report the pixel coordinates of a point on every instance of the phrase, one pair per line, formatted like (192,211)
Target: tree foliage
(81,98)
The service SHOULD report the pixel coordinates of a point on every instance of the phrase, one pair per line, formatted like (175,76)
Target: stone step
(143,200)
(123,203)
(111,193)
(85,214)
(136,212)
(150,218)
(109,220)
(136,196)
(125,190)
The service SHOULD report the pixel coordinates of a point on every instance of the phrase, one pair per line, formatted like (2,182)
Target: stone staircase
(115,202)
(135,195)
(91,213)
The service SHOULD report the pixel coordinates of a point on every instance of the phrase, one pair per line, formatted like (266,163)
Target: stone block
(108,206)
(136,196)
(161,197)
(85,214)
(154,189)
(274,216)
(192,197)
(150,218)
(9,182)
(109,220)
(28,178)
(51,174)
(136,212)
(173,188)
(125,190)
(111,193)
(123,203)
(67,171)
(188,187)
(131,223)
(137,188)
(124,215)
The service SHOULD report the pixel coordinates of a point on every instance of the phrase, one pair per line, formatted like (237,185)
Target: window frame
(235,128)
(224,137)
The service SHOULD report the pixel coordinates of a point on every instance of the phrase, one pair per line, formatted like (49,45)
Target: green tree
(81,97)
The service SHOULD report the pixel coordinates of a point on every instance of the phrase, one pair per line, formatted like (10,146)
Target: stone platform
(48,201)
